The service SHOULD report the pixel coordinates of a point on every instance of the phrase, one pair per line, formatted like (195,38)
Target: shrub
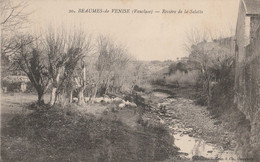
(223,91)
(181,78)
(158,81)
(139,89)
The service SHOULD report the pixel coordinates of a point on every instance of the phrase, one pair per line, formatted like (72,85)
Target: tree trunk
(95,92)
(40,97)
(208,92)
(208,97)
(54,88)
(82,88)
(71,96)
(106,89)
(81,96)
(106,85)
(53,96)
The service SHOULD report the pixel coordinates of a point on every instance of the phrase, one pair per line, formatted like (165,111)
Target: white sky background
(148,37)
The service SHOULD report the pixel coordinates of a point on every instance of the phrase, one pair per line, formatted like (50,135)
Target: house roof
(16,79)
(252,7)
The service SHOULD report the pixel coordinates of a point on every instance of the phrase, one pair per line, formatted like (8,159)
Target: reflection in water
(161,95)
(190,145)
(198,147)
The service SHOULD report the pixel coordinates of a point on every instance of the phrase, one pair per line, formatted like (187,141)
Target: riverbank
(74,133)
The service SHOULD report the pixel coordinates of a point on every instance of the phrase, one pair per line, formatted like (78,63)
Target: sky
(154,36)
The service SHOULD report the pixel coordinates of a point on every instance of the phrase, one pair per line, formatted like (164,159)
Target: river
(191,147)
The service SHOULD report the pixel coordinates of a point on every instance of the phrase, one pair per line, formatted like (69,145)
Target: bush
(223,92)
(158,81)
(201,98)
(12,87)
(139,89)
(189,78)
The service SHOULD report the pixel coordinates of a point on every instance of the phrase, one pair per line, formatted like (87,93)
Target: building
(247,24)
(14,83)
(247,74)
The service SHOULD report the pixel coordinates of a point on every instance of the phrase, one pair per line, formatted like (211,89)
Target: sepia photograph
(130,80)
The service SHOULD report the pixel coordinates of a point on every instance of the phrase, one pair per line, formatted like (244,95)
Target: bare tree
(31,60)
(121,72)
(13,15)
(67,85)
(137,75)
(105,50)
(12,20)
(57,57)
(63,51)
(119,68)
(193,37)
(111,58)
(80,74)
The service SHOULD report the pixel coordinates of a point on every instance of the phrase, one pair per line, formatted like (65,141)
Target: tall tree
(12,21)
(64,50)
(112,59)
(80,74)
(29,57)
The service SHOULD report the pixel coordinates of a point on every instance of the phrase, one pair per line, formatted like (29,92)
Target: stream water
(198,147)
(190,146)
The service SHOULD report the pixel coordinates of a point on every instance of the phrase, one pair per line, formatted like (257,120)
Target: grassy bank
(72,134)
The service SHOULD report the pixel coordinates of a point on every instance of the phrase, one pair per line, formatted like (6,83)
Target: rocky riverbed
(196,133)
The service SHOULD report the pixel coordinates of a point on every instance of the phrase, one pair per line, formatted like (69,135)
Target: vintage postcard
(130,80)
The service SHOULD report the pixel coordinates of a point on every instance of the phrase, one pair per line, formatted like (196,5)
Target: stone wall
(252,99)
(248,89)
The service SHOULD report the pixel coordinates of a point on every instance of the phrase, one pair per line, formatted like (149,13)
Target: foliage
(181,78)
(180,66)
(208,58)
